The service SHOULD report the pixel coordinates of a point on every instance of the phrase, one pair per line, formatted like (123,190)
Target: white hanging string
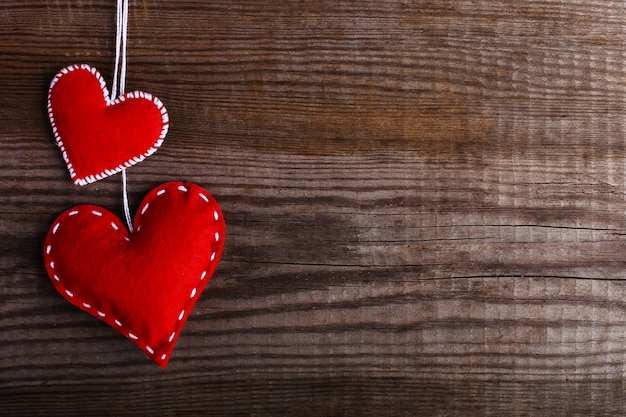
(119,82)
(119,75)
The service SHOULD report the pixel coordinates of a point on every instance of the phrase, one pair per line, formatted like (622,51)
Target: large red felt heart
(99,137)
(143,284)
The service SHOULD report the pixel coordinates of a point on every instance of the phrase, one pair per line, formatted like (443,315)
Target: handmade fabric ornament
(143,281)
(99,136)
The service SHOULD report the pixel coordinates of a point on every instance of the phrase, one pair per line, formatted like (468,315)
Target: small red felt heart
(143,284)
(99,137)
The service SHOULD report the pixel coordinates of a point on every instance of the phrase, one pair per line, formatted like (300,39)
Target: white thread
(119,75)
(205,198)
(213,256)
(181,315)
(150,350)
(69,293)
(216,215)
(73,213)
(193,293)
(96,213)
(119,323)
(86,305)
(143,210)
(203,276)
(182,188)
(119,83)
(48,249)
(126,208)
(101,314)
(55,228)
(52,264)
(163,356)
(132,336)
(171,337)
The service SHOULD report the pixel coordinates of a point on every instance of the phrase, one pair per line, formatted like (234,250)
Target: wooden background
(424,200)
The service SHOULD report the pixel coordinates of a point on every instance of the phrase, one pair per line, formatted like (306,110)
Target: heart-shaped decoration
(99,137)
(145,283)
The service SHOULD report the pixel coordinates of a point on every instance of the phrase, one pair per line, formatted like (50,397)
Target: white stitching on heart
(101,314)
(135,94)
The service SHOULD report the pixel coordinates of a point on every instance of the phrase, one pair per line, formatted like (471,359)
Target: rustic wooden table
(424,201)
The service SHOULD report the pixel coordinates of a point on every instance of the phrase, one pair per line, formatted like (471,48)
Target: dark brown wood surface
(425,203)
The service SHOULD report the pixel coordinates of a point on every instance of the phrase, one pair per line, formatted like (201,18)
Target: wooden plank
(424,205)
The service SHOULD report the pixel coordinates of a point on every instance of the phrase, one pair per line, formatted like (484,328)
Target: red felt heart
(99,137)
(144,283)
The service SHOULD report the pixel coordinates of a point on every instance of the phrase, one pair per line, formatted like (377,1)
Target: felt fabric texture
(99,137)
(145,283)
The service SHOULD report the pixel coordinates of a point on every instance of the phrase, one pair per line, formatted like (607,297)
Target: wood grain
(424,200)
